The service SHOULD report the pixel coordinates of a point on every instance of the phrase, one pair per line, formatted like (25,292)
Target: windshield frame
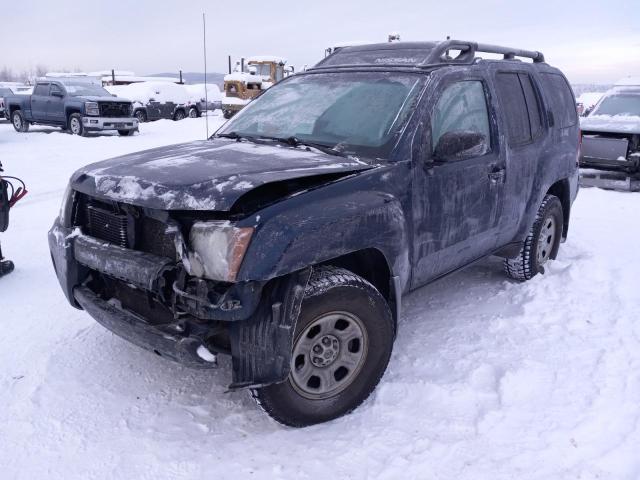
(384,152)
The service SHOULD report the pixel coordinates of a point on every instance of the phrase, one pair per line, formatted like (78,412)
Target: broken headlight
(216,250)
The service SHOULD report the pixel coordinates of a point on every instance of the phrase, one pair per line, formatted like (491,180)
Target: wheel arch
(562,190)
(70,111)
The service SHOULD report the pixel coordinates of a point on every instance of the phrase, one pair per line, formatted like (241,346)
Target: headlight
(217,249)
(91,108)
(65,208)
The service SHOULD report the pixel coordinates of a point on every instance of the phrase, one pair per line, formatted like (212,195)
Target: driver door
(457,200)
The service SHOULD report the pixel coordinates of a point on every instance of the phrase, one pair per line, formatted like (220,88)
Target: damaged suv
(288,239)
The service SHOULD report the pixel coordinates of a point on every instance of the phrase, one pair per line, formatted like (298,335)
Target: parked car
(157,100)
(71,103)
(8,89)
(288,239)
(213,96)
(611,132)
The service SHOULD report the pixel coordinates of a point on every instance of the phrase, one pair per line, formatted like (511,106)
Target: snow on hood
(93,98)
(611,124)
(203,175)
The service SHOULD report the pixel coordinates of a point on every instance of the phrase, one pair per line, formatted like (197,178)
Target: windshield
(355,112)
(263,69)
(85,89)
(619,105)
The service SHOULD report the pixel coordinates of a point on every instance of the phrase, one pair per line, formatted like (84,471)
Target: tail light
(579,147)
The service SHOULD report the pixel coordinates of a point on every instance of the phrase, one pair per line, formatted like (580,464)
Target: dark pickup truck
(74,104)
(288,239)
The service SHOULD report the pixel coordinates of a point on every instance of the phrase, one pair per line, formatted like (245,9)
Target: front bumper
(92,124)
(258,317)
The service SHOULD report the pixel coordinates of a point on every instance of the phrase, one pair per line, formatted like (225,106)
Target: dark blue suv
(288,238)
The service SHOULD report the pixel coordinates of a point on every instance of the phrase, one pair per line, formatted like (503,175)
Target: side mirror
(57,94)
(456,145)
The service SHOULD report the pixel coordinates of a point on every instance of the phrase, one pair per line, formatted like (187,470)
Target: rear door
(55,104)
(39,100)
(458,202)
(524,126)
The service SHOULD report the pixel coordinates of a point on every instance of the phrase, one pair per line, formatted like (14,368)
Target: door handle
(496,175)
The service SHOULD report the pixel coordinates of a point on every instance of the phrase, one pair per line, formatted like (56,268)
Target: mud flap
(261,346)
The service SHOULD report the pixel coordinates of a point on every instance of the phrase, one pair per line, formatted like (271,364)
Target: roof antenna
(206,93)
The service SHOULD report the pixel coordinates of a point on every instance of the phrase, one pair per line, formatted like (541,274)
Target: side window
(533,105)
(41,89)
(514,107)
(55,89)
(561,99)
(462,107)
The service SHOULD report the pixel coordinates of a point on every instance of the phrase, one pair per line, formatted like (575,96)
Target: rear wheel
(542,242)
(342,345)
(193,113)
(227,114)
(179,115)
(19,122)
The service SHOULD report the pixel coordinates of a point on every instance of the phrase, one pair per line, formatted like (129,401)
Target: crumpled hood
(611,124)
(203,175)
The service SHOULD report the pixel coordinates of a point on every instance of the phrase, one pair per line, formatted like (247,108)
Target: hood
(90,98)
(203,175)
(611,124)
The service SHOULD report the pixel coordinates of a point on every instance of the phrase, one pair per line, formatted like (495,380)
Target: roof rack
(468,50)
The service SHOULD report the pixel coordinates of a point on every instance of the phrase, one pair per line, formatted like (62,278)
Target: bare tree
(6,74)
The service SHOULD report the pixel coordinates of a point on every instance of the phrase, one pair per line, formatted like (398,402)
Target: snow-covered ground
(489,379)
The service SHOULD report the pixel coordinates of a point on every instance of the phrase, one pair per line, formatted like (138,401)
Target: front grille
(114,109)
(152,237)
(106,225)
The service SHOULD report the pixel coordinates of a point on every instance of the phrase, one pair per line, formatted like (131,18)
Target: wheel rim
(328,355)
(75,126)
(140,116)
(17,122)
(546,239)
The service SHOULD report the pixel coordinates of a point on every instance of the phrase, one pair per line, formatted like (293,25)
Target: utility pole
(206,92)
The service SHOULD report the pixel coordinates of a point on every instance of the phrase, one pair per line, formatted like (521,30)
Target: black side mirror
(57,94)
(456,145)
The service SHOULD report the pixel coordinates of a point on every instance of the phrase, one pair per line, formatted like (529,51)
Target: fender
(333,220)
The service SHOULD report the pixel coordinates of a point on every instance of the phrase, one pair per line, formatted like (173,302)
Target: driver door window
(462,108)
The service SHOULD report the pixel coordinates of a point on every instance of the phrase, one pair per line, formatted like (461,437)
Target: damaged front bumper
(178,316)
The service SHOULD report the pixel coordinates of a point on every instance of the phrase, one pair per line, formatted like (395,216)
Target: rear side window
(561,99)
(41,89)
(514,107)
(533,106)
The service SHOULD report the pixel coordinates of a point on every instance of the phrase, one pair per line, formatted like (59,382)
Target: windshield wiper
(296,142)
(233,135)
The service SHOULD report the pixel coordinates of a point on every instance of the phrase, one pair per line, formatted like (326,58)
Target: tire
(141,115)
(19,122)
(343,320)
(542,242)
(75,125)
(227,114)
(125,133)
(6,267)
(179,115)
(193,113)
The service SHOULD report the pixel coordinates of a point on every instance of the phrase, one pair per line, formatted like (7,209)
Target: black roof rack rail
(468,50)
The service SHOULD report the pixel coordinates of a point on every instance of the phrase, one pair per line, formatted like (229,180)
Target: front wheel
(125,133)
(141,115)
(193,113)
(542,242)
(342,345)
(227,114)
(75,125)
(19,122)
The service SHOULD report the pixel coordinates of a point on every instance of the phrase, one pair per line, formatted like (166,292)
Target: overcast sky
(591,40)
